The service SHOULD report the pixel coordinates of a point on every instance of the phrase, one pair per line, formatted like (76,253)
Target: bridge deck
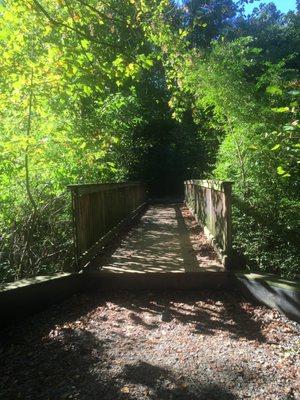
(166,240)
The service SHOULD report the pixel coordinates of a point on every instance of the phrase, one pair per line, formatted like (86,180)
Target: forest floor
(173,345)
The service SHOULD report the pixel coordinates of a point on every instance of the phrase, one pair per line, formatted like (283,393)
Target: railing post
(74,195)
(228,229)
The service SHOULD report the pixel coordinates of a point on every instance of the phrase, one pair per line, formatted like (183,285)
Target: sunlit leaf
(281,109)
(276,147)
(280,170)
(274,90)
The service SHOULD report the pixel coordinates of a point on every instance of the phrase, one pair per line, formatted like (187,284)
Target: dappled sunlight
(169,345)
(161,242)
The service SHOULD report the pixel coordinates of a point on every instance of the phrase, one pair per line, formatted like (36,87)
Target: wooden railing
(210,203)
(97,210)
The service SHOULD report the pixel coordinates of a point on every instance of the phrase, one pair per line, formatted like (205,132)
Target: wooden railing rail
(97,209)
(210,203)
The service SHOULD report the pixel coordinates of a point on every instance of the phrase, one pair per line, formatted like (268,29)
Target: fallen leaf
(125,389)
(183,386)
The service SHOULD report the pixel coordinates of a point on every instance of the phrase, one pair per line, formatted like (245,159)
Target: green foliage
(146,89)
(249,94)
(68,97)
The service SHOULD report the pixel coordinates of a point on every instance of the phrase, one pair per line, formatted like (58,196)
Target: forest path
(166,240)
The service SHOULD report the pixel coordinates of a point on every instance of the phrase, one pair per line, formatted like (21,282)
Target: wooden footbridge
(122,240)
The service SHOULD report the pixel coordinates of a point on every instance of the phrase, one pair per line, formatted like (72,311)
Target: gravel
(173,345)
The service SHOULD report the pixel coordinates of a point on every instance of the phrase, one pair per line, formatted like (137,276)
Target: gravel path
(175,345)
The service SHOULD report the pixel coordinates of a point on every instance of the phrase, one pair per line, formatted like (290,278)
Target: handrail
(98,187)
(97,208)
(210,201)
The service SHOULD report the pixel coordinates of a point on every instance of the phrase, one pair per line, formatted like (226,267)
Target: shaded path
(161,242)
(167,346)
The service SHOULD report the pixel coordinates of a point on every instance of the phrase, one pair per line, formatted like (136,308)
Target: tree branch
(62,24)
(98,12)
(28,130)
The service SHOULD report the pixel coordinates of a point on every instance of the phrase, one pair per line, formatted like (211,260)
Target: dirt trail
(167,346)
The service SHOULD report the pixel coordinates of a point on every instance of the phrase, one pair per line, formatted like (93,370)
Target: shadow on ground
(161,242)
(81,349)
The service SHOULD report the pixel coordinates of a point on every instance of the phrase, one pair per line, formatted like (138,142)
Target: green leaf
(118,61)
(87,90)
(280,170)
(281,109)
(84,43)
(276,147)
(288,128)
(149,62)
(294,92)
(274,90)
(256,50)
(252,147)
(90,56)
